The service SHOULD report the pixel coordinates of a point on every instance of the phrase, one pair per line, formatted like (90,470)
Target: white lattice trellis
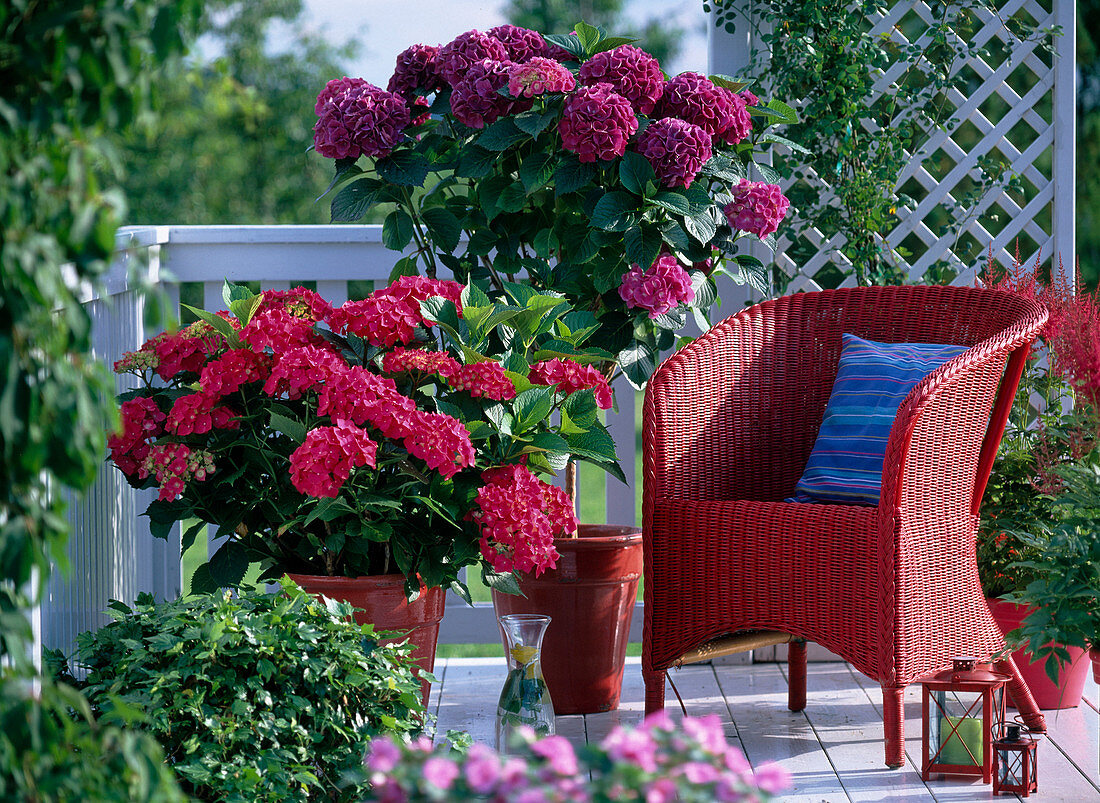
(1040,151)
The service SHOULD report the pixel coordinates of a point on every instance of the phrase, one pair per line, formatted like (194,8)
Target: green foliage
(822,54)
(54,751)
(1087,173)
(659,36)
(253,698)
(1066,588)
(231,151)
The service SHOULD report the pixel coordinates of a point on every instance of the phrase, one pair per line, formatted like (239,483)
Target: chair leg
(1021,695)
(893,725)
(796,668)
(654,690)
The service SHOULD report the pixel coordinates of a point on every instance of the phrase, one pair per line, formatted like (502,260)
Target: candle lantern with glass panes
(963,713)
(1015,763)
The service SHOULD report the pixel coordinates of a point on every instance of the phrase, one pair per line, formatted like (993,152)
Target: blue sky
(386,27)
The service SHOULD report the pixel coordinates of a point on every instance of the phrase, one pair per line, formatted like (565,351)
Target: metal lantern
(963,713)
(1015,763)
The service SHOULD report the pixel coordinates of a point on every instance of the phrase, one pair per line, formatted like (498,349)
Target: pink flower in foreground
(632,746)
(695,98)
(383,755)
(416,69)
(662,286)
(757,207)
(324,461)
(772,778)
(440,441)
(457,56)
(475,101)
(596,123)
(522,44)
(483,380)
(558,751)
(707,731)
(631,71)
(440,772)
(749,98)
(538,77)
(482,768)
(676,149)
(569,377)
(519,516)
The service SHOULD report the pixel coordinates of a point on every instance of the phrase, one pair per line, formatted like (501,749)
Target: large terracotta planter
(1094,654)
(380,601)
(1064,694)
(590,598)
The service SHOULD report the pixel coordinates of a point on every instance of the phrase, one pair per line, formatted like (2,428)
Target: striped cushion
(872,380)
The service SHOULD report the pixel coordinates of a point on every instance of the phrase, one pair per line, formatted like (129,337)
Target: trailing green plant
(860,133)
(255,697)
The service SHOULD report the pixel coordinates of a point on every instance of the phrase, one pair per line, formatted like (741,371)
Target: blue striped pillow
(872,380)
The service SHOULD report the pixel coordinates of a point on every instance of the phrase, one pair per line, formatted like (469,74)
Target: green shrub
(253,698)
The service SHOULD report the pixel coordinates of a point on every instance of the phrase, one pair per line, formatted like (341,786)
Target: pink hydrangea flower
(597,123)
(676,149)
(390,315)
(475,101)
(569,377)
(278,329)
(695,98)
(757,207)
(358,119)
(357,395)
(482,770)
(457,56)
(632,72)
(416,68)
(440,441)
(186,350)
(538,77)
(772,778)
(426,362)
(749,98)
(383,755)
(141,421)
(519,516)
(521,44)
(325,460)
(300,369)
(233,369)
(662,286)
(483,380)
(173,465)
(196,414)
(298,301)
(707,731)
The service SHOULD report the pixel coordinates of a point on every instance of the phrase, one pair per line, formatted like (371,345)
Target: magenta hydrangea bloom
(521,43)
(475,100)
(465,50)
(749,98)
(416,69)
(756,207)
(663,286)
(676,149)
(538,76)
(596,123)
(358,119)
(633,73)
(695,98)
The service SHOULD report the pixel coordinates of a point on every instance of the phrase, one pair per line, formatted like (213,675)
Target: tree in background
(658,35)
(233,149)
(71,70)
(1088,140)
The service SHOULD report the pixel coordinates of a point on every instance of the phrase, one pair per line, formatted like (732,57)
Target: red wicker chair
(729,422)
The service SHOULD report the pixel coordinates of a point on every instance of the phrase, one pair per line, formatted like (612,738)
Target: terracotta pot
(1094,654)
(380,601)
(1064,694)
(590,598)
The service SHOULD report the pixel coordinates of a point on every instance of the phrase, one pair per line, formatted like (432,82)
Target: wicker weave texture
(728,425)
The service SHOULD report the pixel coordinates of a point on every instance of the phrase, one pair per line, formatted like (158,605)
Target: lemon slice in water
(523,655)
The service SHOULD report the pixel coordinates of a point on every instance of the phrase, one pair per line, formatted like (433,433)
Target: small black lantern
(1015,763)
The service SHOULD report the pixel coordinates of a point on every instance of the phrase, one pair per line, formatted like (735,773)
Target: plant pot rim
(379,580)
(595,542)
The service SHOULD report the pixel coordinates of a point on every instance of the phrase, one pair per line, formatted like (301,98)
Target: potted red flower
(384,444)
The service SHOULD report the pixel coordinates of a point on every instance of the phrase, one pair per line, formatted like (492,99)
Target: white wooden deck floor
(833,749)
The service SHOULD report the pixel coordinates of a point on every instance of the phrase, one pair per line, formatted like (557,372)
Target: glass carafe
(525,699)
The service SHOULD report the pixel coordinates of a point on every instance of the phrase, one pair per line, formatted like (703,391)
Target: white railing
(111,551)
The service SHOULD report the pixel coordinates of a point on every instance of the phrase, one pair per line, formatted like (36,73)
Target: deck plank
(757,700)
(468,698)
(1069,754)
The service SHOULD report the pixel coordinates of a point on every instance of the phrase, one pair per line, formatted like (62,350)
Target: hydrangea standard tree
(570,161)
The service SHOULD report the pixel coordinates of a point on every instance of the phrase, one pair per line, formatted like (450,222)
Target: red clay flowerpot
(590,598)
(1064,694)
(1094,654)
(380,601)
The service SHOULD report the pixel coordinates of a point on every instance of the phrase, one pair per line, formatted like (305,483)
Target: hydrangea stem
(571,486)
